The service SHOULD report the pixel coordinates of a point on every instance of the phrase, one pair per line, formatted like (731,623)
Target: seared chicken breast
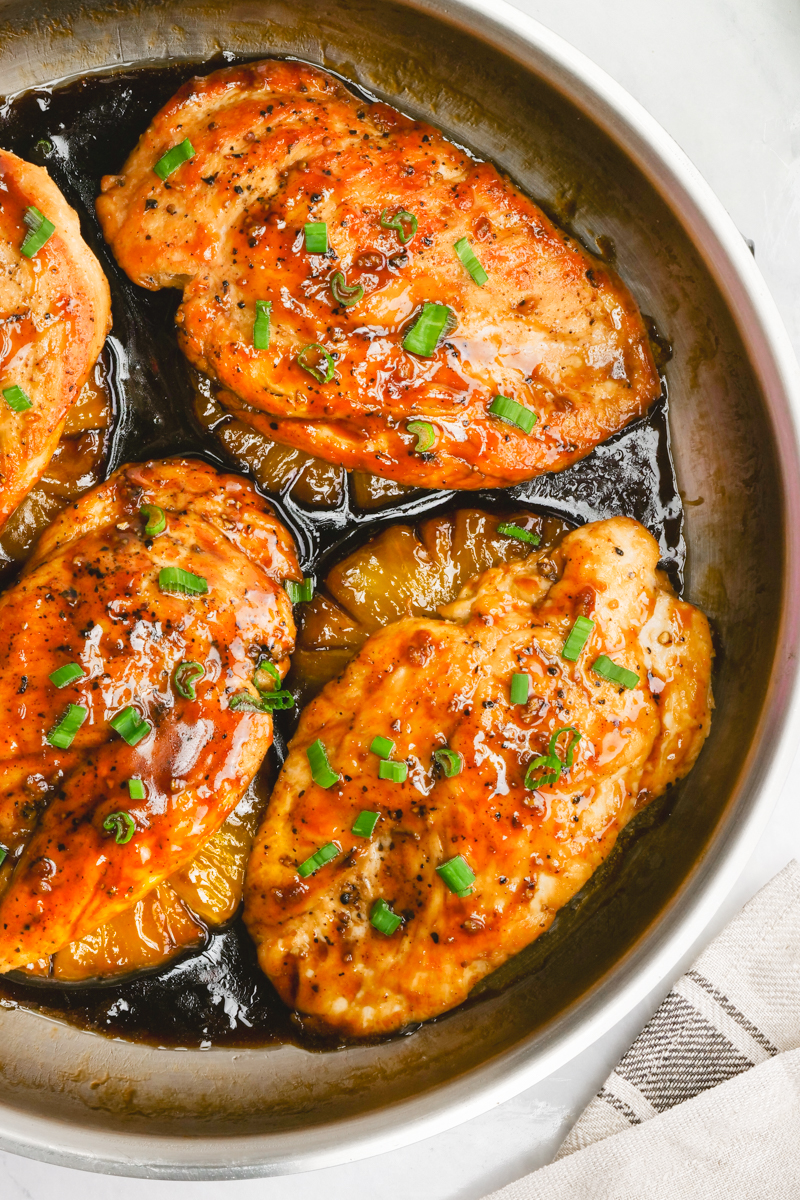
(498,752)
(130,724)
(281,188)
(55,312)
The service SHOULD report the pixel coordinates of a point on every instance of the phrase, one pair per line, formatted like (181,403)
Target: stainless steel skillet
(573,139)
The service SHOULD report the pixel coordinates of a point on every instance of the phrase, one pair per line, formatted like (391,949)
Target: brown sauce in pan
(142,403)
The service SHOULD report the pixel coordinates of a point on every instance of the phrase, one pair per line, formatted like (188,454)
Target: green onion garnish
(300,593)
(398,223)
(185,676)
(174,158)
(344,295)
(364,824)
(261,324)
(280,700)
(318,859)
(470,260)
(321,771)
(520,688)
(382,746)
(383,919)
(316,233)
(66,674)
(614,673)
(426,435)
(458,875)
(62,734)
(551,761)
(522,535)
(516,414)
(267,677)
(396,772)
(577,638)
(176,581)
(433,323)
(136,789)
(16,399)
(130,725)
(155,519)
(40,230)
(122,825)
(3,854)
(267,702)
(450,761)
(323,376)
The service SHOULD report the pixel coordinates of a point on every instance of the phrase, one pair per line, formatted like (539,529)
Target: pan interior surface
(102,1104)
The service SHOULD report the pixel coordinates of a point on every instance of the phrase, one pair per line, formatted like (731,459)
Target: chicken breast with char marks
(275,146)
(521,836)
(55,312)
(99,634)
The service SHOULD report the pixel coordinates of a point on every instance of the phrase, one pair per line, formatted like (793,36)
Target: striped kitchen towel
(706,1103)
(738,1006)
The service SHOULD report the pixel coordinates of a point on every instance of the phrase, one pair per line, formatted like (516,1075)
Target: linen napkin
(707,1100)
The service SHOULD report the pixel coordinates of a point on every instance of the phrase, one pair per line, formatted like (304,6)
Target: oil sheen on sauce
(141,403)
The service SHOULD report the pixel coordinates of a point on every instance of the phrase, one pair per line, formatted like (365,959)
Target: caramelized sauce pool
(143,403)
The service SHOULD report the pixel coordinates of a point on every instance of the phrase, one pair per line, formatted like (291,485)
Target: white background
(723,77)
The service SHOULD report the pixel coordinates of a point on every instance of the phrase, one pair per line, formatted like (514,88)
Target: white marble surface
(723,77)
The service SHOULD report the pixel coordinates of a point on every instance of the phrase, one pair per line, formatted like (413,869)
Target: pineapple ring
(404,571)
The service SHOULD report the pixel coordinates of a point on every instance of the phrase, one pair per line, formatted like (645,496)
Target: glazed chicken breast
(130,724)
(349,275)
(55,312)
(463,778)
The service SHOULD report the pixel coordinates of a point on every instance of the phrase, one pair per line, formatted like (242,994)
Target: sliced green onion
(426,435)
(136,789)
(398,223)
(364,824)
(16,399)
(267,677)
(470,260)
(450,761)
(155,519)
(66,674)
(458,875)
(130,725)
(383,919)
(185,676)
(316,234)
(520,688)
(321,771)
(277,701)
(261,325)
(62,734)
(174,158)
(344,295)
(318,859)
(40,230)
(577,638)
(431,325)
(122,825)
(176,581)
(396,772)
(382,746)
(614,673)
(300,593)
(551,761)
(245,702)
(3,854)
(267,702)
(516,414)
(522,535)
(302,361)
